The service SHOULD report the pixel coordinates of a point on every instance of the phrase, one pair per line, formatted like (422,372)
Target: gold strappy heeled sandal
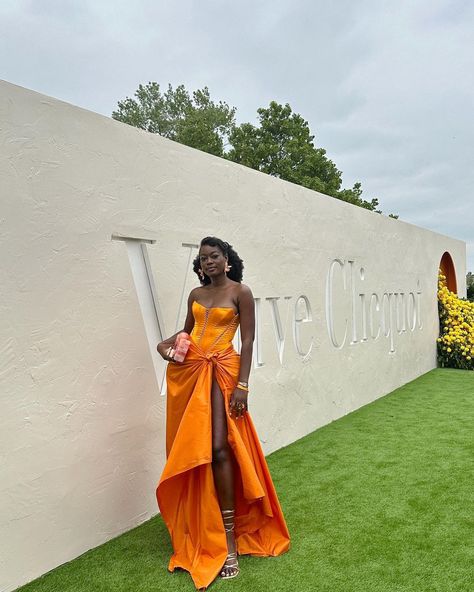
(231,562)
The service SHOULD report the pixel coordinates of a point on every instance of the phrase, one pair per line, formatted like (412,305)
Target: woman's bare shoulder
(195,293)
(242,291)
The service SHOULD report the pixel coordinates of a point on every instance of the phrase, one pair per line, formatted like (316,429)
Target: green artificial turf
(380,500)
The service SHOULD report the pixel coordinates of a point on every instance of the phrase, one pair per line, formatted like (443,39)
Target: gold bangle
(243,388)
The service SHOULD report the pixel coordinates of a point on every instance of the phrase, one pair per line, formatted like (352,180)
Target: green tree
(282,146)
(470,285)
(354,196)
(195,120)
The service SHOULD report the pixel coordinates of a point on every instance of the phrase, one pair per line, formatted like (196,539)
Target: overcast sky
(387,87)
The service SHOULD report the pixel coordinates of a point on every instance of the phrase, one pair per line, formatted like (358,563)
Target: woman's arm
(163,346)
(247,331)
(238,402)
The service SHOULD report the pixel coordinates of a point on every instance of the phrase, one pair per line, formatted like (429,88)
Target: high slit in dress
(186,494)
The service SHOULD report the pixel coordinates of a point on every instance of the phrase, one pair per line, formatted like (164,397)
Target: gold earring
(227,267)
(201,273)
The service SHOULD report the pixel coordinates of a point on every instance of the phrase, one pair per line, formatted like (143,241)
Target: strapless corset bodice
(214,328)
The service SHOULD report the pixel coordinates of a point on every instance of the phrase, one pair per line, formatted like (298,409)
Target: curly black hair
(237,266)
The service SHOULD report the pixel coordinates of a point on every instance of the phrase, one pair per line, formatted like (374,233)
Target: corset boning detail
(214,328)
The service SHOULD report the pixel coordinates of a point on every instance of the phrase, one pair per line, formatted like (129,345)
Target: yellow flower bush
(456,324)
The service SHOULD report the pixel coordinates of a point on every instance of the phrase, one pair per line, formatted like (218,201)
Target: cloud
(387,88)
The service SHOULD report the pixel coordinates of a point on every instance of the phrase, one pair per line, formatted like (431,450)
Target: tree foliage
(192,120)
(280,145)
(470,285)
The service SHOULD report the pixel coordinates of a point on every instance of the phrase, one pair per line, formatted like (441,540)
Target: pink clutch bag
(181,346)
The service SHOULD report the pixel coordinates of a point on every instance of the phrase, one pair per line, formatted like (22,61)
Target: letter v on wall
(148,300)
(279,329)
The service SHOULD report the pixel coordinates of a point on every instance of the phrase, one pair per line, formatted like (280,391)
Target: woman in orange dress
(216,494)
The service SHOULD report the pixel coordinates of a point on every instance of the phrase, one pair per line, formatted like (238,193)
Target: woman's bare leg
(222,463)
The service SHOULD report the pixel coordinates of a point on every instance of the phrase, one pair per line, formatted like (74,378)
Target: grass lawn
(381,500)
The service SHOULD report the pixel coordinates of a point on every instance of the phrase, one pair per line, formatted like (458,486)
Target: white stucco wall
(82,438)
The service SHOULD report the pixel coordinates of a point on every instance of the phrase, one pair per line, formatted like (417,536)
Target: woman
(216,495)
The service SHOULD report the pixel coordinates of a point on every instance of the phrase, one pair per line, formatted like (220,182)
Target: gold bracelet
(242,387)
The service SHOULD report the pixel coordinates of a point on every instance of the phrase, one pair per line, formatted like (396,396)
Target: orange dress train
(186,494)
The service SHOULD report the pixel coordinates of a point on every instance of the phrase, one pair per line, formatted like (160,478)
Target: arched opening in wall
(446,267)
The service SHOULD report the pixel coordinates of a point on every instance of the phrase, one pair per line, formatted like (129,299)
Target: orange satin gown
(186,494)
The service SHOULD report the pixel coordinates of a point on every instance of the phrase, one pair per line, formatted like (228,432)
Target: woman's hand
(165,351)
(238,403)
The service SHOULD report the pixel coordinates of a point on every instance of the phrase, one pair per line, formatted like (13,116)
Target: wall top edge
(9,87)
